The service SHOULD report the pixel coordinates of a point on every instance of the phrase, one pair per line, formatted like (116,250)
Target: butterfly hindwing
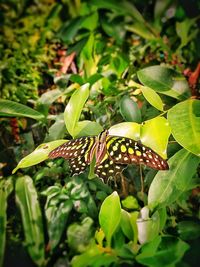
(124,150)
(108,169)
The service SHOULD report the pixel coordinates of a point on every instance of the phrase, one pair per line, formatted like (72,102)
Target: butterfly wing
(76,152)
(108,169)
(124,150)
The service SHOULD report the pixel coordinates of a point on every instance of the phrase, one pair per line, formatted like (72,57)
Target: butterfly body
(112,154)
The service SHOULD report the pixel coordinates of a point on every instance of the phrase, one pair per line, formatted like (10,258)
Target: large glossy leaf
(110,216)
(130,110)
(86,128)
(39,154)
(27,200)
(168,185)
(13,109)
(6,187)
(164,80)
(127,129)
(155,134)
(152,97)
(74,107)
(184,119)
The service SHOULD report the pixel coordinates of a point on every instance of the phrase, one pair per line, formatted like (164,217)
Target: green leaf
(168,185)
(79,236)
(93,257)
(49,97)
(140,29)
(68,31)
(122,7)
(155,134)
(183,29)
(149,249)
(39,154)
(57,216)
(126,225)
(126,129)
(110,216)
(86,128)
(184,119)
(6,187)
(27,200)
(12,109)
(74,107)
(152,97)
(57,129)
(130,202)
(168,252)
(189,230)
(165,81)
(129,110)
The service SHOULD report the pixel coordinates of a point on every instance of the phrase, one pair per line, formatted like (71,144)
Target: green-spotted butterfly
(112,154)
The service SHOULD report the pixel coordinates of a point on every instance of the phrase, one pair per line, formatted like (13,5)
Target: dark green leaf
(129,110)
(12,109)
(27,200)
(6,187)
(168,185)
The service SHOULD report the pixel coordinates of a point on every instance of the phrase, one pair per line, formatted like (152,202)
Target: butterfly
(112,154)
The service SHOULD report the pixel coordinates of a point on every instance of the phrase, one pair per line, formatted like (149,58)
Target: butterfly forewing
(127,151)
(75,151)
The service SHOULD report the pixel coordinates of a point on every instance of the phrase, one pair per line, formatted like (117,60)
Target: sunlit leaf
(155,134)
(152,97)
(39,154)
(126,129)
(74,107)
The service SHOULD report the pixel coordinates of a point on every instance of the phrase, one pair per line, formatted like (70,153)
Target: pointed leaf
(129,109)
(39,154)
(6,187)
(13,109)
(184,119)
(110,216)
(27,200)
(168,185)
(152,97)
(74,107)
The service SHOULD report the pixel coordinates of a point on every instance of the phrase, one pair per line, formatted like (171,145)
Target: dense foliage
(71,69)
